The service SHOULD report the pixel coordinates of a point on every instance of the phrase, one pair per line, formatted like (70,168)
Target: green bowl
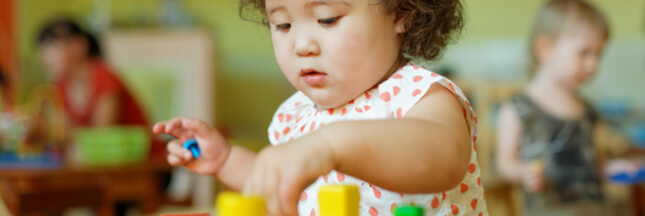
(113,145)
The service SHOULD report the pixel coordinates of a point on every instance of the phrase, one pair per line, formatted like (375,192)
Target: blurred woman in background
(93,95)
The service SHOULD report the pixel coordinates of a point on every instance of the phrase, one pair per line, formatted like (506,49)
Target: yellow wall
(511,18)
(250,84)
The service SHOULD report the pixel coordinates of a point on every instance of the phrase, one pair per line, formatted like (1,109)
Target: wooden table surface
(28,191)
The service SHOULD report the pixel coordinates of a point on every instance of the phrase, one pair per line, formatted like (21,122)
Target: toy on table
(338,200)
(188,214)
(192,145)
(236,204)
(408,211)
(625,171)
(334,200)
(626,178)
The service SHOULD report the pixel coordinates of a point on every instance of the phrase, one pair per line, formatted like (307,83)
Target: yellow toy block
(236,204)
(338,200)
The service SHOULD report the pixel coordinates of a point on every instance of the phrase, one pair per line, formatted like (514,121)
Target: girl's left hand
(281,173)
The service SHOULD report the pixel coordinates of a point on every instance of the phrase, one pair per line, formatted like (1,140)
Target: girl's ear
(399,25)
(543,47)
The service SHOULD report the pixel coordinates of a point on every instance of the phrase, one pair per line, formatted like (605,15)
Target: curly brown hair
(430,25)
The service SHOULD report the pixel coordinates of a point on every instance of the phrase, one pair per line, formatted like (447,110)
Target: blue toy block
(191,145)
(629,178)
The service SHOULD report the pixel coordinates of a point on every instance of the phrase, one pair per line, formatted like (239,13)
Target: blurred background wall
(249,86)
(244,57)
(495,33)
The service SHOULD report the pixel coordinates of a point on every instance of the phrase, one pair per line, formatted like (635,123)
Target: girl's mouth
(313,77)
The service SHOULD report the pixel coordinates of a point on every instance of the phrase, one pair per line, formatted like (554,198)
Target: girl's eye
(283,27)
(328,21)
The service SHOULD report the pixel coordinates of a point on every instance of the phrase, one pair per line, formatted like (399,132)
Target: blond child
(546,134)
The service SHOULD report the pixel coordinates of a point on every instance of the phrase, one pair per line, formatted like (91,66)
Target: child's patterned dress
(393,98)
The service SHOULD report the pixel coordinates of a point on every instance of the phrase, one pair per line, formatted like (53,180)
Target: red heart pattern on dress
(377,192)
(340,176)
(473,204)
(396,90)
(472,168)
(455,209)
(416,92)
(435,202)
(373,211)
(385,96)
(464,187)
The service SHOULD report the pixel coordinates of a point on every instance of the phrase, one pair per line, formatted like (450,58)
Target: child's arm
(230,164)
(427,151)
(509,135)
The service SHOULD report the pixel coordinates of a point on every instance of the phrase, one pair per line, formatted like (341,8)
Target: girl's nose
(306,45)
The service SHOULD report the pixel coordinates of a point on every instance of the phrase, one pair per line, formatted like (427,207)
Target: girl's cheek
(280,51)
(286,62)
(348,47)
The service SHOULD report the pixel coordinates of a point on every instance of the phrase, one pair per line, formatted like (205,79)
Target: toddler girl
(364,114)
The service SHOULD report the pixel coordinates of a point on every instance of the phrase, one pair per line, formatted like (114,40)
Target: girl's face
(333,50)
(61,55)
(573,58)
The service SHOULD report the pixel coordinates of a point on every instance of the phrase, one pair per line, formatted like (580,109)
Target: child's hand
(214,148)
(533,177)
(282,172)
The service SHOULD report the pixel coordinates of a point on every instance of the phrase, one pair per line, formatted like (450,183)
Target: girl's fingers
(285,193)
(176,127)
(273,205)
(250,185)
(200,127)
(174,160)
(159,127)
(253,185)
(288,199)
(269,190)
(173,125)
(175,148)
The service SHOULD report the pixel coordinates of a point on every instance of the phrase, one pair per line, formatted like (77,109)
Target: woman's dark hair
(430,25)
(64,28)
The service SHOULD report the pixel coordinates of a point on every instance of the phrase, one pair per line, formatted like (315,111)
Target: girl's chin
(328,103)
(328,98)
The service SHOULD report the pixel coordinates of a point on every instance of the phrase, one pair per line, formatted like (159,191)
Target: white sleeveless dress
(393,98)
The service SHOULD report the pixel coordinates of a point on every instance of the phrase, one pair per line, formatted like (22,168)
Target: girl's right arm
(510,167)
(230,164)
